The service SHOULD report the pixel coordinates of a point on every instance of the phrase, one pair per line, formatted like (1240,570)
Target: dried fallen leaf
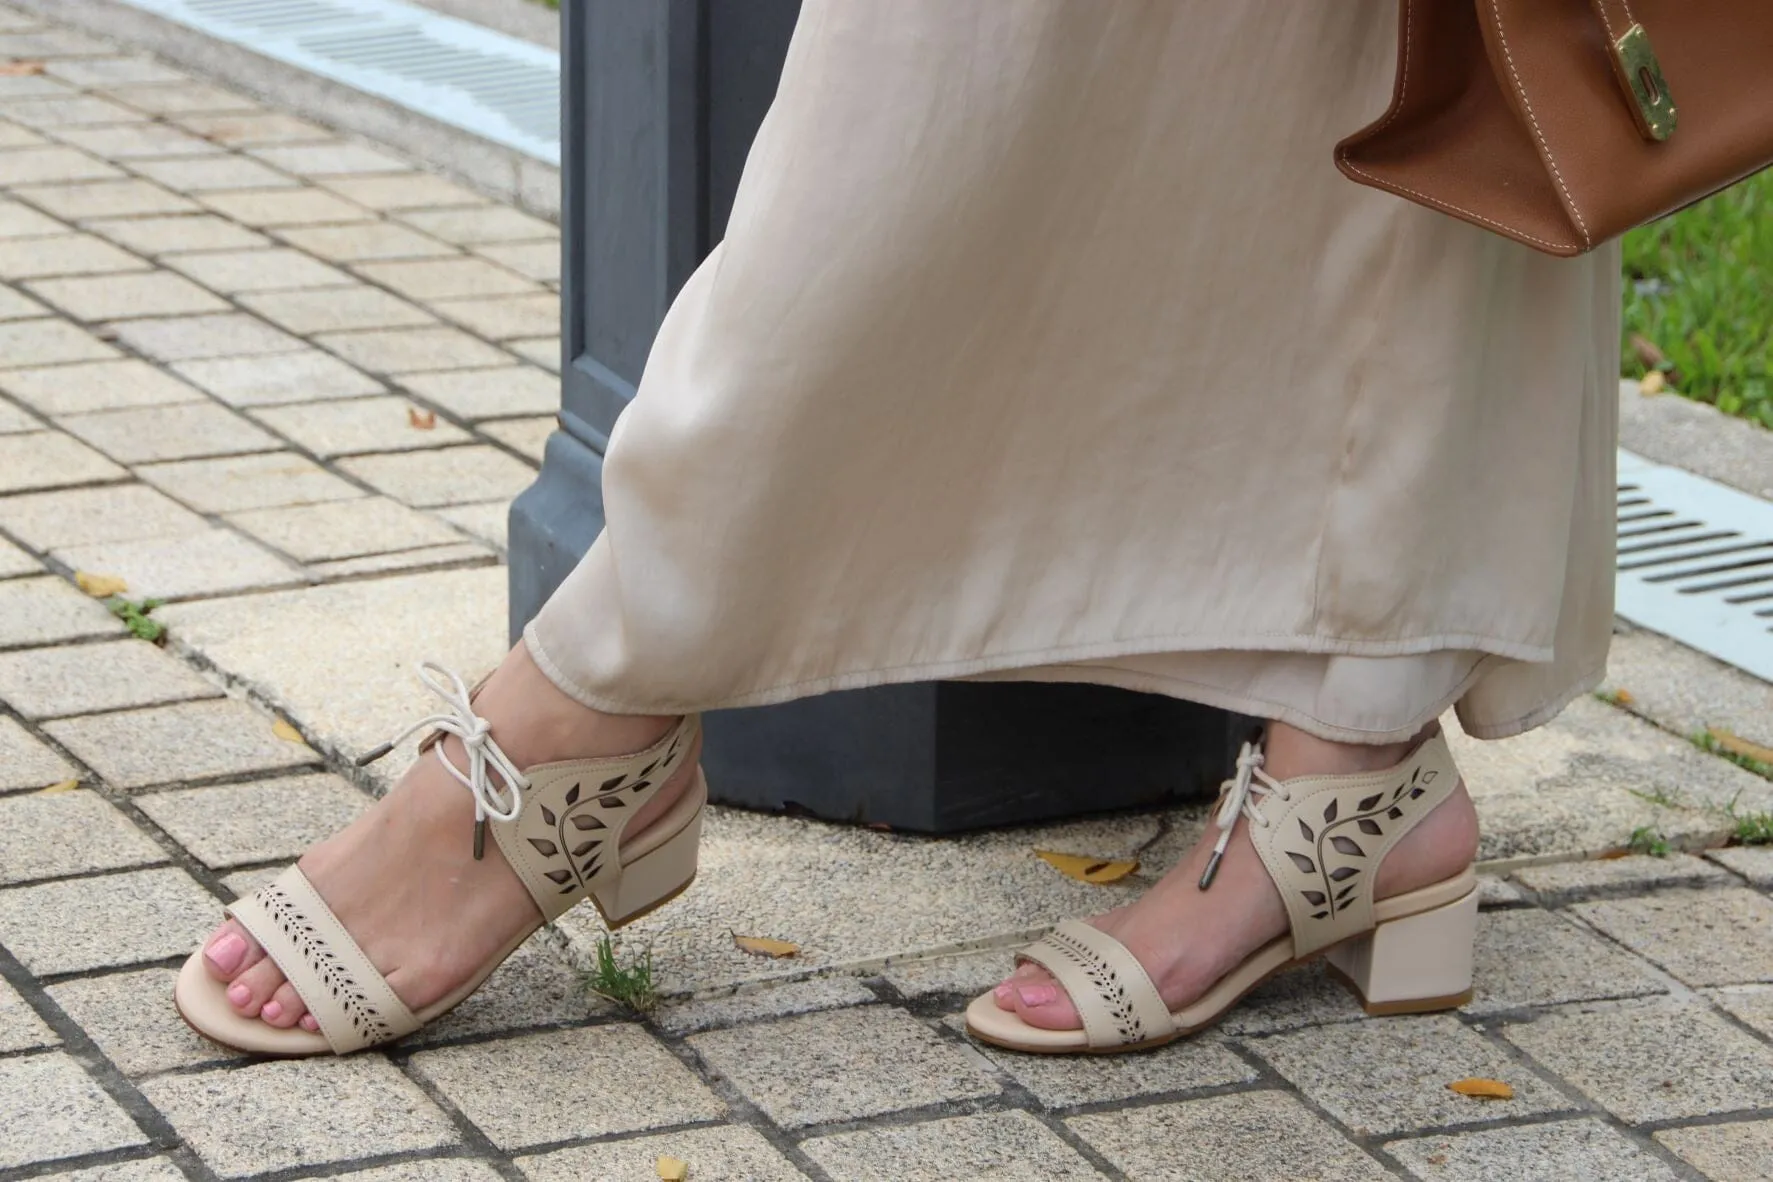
(764,946)
(1482,1089)
(1623,697)
(1648,353)
(673,1169)
(1735,744)
(421,420)
(59,787)
(99,586)
(14,69)
(287,733)
(1096,870)
(1653,382)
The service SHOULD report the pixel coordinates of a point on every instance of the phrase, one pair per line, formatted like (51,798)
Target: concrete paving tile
(119,297)
(213,562)
(95,72)
(412,350)
(236,824)
(50,1109)
(192,338)
(78,924)
(1564,882)
(181,98)
(359,426)
(962,977)
(47,610)
(269,208)
(534,260)
(246,882)
(68,110)
(843,1065)
(485,521)
(1554,1152)
(725,1153)
(326,655)
(166,744)
(21,221)
(130,1017)
(433,1169)
(1711,937)
(443,476)
(15,306)
(50,43)
(136,141)
(1527,957)
(1653,1059)
(234,272)
(408,190)
(1245,1137)
(74,516)
(298,1113)
(36,166)
(15,562)
(253,129)
(362,242)
(1304,996)
(208,174)
(756,1004)
(423,558)
(182,431)
(95,385)
(153,1169)
(505,318)
(104,199)
(443,279)
(481,225)
(1752,1004)
(15,420)
(20,1027)
(27,86)
(68,833)
(1008,1145)
(275,379)
(29,343)
(1371,1075)
(238,483)
(191,231)
(344,529)
(535,988)
(337,309)
(544,351)
(527,436)
(540,1088)
(1754,863)
(504,392)
(1064,1081)
(49,459)
(1737,1152)
(63,254)
(340,158)
(84,678)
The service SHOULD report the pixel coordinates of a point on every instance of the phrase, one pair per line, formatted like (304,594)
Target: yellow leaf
(1737,745)
(1097,870)
(1652,383)
(60,786)
(99,586)
(15,69)
(673,1169)
(1623,698)
(764,946)
(1482,1089)
(421,420)
(287,733)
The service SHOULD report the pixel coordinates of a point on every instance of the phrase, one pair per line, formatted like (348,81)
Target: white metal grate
(1696,562)
(458,73)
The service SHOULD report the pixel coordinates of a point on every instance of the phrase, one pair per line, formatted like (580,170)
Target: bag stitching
(1527,105)
(1450,207)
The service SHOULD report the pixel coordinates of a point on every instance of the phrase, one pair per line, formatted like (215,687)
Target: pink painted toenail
(271,1011)
(239,994)
(227,953)
(309,1024)
(1003,991)
(1037,995)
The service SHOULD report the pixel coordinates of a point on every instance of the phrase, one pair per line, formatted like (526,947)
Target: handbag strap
(1637,70)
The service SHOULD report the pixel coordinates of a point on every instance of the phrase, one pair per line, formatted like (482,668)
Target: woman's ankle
(1290,752)
(534,721)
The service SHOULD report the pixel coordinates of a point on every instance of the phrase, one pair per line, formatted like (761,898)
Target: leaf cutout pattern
(1330,811)
(1370,827)
(545,848)
(1370,802)
(1315,898)
(1343,873)
(584,821)
(1395,814)
(547,814)
(612,783)
(1346,845)
(1306,830)
(584,848)
(572,797)
(1306,865)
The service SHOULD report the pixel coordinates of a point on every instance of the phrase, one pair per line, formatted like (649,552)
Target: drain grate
(1696,562)
(481,81)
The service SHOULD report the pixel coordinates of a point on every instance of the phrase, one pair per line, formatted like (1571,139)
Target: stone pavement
(288,381)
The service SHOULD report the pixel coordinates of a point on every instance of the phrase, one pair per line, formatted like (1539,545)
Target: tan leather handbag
(1554,122)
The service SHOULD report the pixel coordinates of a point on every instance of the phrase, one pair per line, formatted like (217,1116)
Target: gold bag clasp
(1646,91)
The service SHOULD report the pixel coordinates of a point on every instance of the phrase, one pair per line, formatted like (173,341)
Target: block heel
(1418,964)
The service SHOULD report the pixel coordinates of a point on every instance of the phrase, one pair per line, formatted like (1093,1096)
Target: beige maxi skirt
(1046,342)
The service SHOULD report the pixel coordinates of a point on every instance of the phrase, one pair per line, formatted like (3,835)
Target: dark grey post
(662,99)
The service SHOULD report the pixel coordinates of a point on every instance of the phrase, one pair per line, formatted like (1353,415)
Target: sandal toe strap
(354,1005)
(1110,988)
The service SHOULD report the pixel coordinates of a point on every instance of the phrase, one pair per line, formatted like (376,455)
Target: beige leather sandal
(1323,839)
(559,825)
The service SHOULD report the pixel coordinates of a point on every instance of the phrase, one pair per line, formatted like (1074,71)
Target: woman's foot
(1187,938)
(402,877)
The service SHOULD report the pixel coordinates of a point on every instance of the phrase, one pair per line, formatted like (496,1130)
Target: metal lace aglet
(1206,878)
(479,839)
(374,754)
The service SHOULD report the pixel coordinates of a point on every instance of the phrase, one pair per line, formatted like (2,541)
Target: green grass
(1699,287)
(1706,741)
(1755,829)
(630,984)
(1645,840)
(134,615)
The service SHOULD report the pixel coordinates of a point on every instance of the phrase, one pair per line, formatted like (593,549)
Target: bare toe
(254,987)
(230,952)
(1027,973)
(1046,1005)
(284,1009)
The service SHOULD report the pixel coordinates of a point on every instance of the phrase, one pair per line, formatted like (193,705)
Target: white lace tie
(484,755)
(1241,796)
